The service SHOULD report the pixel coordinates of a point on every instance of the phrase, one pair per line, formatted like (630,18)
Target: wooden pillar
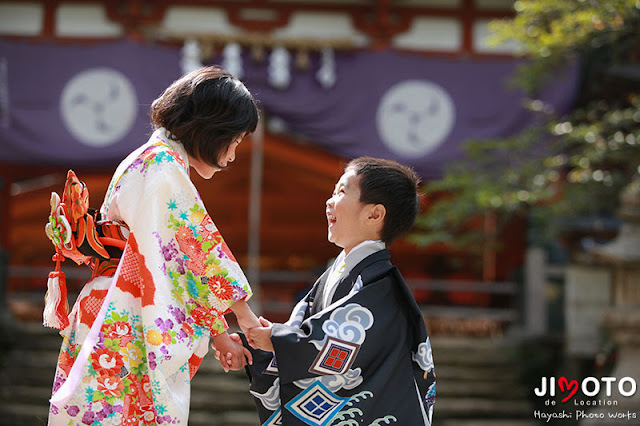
(468,15)
(489,254)
(255,213)
(534,292)
(49,19)
(5,199)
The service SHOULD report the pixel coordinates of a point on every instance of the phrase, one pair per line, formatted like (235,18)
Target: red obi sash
(81,234)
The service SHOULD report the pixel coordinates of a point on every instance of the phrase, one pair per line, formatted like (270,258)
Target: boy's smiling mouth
(331,219)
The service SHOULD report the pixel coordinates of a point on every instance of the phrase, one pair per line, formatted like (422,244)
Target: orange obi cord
(113,242)
(104,267)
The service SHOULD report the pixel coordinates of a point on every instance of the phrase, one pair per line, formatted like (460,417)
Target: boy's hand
(261,336)
(230,352)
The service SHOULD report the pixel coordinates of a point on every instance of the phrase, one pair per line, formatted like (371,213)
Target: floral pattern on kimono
(176,280)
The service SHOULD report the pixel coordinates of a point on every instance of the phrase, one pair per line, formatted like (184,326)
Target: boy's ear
(376,215)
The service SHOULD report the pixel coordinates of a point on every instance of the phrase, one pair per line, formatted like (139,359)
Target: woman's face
(206,171)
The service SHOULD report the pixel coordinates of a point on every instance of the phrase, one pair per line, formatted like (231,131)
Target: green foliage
(550,32)
(563,167)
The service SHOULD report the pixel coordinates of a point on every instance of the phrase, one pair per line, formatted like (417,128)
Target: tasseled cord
(55,301)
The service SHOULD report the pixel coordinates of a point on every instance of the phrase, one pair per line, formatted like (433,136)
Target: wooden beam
(49,19)
(381,21)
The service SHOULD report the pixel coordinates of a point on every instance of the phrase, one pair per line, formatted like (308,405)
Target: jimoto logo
(610,392)
(590,387)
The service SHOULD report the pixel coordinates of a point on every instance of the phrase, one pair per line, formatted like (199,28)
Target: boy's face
(346,215)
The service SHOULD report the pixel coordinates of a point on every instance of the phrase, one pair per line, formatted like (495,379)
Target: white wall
(431,33)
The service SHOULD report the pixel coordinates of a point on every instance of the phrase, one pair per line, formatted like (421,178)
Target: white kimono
(136,338)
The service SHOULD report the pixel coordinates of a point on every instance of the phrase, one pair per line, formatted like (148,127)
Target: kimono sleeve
(361,325)
(190,264)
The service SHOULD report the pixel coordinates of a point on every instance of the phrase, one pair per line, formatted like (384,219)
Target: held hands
(230,352)
(229,349)
(261,336)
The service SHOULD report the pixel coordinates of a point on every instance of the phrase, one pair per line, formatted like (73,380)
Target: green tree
(564,166)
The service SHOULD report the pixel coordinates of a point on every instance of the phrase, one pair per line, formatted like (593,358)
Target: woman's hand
(246,319)
(230,352)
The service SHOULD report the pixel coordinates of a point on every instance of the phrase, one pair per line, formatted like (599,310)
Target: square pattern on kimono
(275,419)
(335,357)
(272,368)
(316,405)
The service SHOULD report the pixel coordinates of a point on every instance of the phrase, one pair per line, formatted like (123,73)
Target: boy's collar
(362,244)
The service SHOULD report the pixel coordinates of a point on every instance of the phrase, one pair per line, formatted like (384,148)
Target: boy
(355,350)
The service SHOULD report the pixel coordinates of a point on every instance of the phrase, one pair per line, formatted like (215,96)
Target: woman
(138,330)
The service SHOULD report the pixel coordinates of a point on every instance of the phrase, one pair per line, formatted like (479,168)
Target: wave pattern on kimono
(136,339)
(363,360)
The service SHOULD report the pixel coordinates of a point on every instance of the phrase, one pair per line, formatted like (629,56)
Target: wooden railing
(280,289)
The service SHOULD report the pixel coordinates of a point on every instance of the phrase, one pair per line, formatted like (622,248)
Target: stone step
(454,350)
(481,408)
(470,356)
(487,389)
(33,358)
(479,384)
(473,351)
(27,395)
(462,381)
(220,402)
(454,412)
(231,418)
(33,335)
(30,368)
(12,414)
(477,343)
(215,392)
(219,383)
(507,422)
(33,377)
(498,375)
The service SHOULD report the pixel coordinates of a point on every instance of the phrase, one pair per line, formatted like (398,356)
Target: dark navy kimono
(363,360)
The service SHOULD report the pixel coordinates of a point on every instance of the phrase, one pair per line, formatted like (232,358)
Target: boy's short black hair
(393,185)
(205,110)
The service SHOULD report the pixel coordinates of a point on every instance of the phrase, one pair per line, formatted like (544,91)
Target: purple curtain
(407,107)
(79,104)
(88,104)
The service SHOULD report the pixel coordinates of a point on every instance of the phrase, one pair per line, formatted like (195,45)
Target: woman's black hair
(206,110)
